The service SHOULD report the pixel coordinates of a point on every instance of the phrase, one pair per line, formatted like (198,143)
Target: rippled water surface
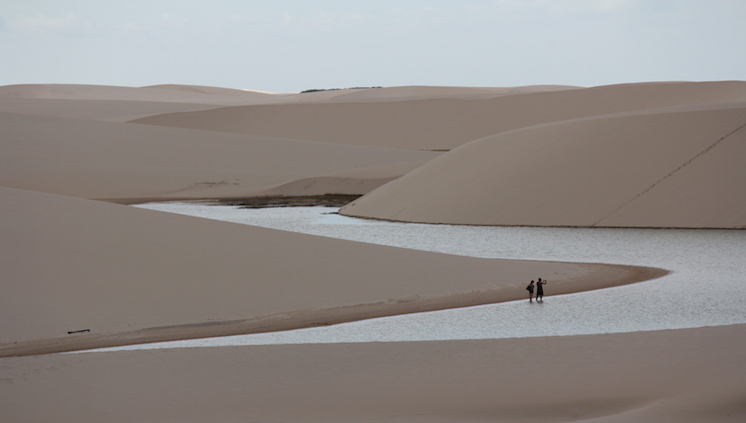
(707,286)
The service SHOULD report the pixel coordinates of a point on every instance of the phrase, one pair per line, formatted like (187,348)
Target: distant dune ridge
(80,269)
(446,119)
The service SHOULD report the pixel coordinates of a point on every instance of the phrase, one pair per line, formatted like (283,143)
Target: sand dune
(122,104)
(216,91)
(670,169)
(73,140)
(164,93)
(103,110)
(683,376)
(446,122)
(93,159)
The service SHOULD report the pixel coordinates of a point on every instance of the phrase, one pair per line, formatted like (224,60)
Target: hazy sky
(292,45)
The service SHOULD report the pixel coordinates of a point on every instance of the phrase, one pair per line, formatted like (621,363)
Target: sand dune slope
(667,169)
(106,109)
(109,160)
(71,264)
(682,376)
(444,122)
(118,104)
(73,140)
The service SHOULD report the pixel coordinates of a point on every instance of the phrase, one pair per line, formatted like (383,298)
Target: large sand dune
(658,169)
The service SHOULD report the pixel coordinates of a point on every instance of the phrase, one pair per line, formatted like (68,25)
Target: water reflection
(706,288)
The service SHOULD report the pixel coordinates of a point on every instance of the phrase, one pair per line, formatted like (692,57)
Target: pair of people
(539,291)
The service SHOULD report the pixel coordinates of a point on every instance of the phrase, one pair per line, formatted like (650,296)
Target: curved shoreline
(617,275)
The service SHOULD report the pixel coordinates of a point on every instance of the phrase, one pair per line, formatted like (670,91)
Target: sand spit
(132,275)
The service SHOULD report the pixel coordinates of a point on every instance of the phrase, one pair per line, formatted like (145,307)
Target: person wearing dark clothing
(530,289)
(540,290)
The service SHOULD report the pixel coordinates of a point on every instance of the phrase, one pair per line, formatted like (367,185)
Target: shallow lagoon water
(707,286)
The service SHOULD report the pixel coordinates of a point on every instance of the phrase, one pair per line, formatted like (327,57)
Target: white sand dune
(93,159)
(667,169)
(100,110)
(73,140)
(683,376)
(122,104)
(216,91)
(443,123)
(162,93)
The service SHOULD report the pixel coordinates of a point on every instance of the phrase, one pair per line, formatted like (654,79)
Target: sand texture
(81,269)
(679,168)
(683,376)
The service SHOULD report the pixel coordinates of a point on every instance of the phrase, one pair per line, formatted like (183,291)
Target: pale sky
(293,45)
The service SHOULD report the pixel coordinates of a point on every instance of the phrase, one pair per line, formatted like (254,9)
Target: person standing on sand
(540,290)
(530,289)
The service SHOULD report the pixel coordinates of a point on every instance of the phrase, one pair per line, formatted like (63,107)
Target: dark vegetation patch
(315,90)
(326,200)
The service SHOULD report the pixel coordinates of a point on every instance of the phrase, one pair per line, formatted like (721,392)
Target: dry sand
(680,168)
(130,275)
(112,160)
(682,376)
